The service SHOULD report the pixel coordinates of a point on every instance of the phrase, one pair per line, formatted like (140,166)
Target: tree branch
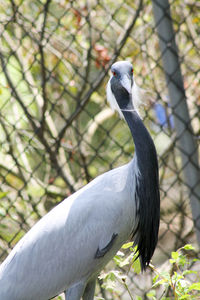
(43,70)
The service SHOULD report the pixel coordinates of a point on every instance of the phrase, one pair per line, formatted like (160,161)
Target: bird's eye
(114,73)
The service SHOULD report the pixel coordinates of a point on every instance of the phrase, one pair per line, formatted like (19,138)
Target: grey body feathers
(59,251)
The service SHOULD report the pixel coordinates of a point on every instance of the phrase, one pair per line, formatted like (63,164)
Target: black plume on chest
(147,196)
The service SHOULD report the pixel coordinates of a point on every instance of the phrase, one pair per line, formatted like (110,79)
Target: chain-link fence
(56,130)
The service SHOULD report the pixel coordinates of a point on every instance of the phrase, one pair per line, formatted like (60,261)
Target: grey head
(120,86)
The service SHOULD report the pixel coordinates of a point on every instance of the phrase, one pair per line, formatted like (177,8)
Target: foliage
(110,278)
(179,281)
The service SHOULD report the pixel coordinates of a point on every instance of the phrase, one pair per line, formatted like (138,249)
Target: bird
(68,247)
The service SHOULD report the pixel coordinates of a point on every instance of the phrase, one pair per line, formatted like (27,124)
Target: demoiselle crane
(69,246)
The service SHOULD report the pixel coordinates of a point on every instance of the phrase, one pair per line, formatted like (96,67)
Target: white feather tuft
(136,97)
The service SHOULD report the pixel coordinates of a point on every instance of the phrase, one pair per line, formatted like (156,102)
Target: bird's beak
(126,82)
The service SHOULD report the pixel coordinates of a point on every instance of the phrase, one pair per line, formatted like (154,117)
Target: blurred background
(57,132)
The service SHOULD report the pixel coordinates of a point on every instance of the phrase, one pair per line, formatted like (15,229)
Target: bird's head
(122,91)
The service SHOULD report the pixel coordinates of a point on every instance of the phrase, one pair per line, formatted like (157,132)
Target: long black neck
(144,146)
(147,195)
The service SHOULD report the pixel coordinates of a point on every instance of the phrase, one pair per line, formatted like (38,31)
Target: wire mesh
(57,132)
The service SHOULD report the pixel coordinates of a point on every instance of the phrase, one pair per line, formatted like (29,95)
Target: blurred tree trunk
(186,142)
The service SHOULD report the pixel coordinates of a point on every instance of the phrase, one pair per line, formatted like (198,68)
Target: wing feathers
(103,251)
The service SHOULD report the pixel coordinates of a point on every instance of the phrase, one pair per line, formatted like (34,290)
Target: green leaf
(196,259)
(160,282)
(118,260)
(151,294)
(195,286)
(127,245)
(136,266)
(109,285)
(155,278)
(186,272)
(103,276)
(3,194)
(107,276)
(112,276)
(188,247)
(172,261)
(177,276)
(127,260)
(182,260)
(123,261)
(175,255)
